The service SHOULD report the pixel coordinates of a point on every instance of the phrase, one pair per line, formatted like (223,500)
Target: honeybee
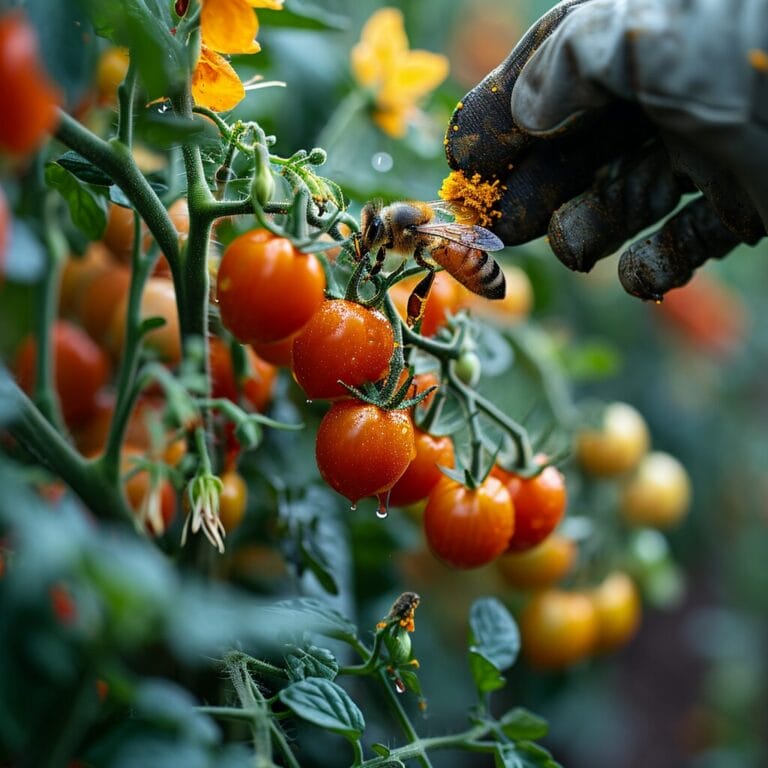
(461,249)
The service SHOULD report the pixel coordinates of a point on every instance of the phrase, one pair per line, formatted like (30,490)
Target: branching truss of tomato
(310,211)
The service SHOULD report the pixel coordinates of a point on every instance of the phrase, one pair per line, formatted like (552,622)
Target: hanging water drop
(399,685)
(353,508)
(383,509)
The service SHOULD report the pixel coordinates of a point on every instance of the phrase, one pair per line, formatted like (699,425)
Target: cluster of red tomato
(364,450)
(563,626)
(86,347)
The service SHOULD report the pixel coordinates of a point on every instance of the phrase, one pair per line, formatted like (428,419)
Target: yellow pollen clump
(474,198)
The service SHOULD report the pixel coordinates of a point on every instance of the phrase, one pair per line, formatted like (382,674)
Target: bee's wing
(470,235)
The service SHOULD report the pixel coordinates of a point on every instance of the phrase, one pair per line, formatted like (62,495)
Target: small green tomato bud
(317,156)
(263,183)
(468,368)
(399,646)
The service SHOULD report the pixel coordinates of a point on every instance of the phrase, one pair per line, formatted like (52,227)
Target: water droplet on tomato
(308,402)
(353,508)
(383,509)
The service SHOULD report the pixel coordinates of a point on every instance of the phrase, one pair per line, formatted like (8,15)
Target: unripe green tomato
(617,445)
(468,368)
(263,183)
(658,494)
(399,646)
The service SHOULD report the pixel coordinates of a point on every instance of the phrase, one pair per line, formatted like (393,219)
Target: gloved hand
(606,113)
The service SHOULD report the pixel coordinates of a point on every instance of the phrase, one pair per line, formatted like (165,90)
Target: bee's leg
(417,301)
(381,254)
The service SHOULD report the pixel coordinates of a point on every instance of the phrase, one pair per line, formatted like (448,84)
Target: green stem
(115,159)
(38,436)
(126,390)
(282,744)
(125,94)
(359,756)
(236,714)
(48,289)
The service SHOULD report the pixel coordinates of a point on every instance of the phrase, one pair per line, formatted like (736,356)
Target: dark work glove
(606,113)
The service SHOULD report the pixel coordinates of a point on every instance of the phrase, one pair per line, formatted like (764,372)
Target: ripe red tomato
(267,289)
(256,386)
(707,313)
(423,474)
(276,352)
(541,566)
(468,528)
(233,499)
(539,503)
(81,369)
(558,628)
(29,99)
(362,450)
(342,341)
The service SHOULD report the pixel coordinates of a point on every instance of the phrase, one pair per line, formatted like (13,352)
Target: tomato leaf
(524,754)
(494,633)
(87,209)
(486,676)
(380,750)
(520,724)
(325,620)
(313,557)
(160,58)
(84,169)
(325,704)
(311,661)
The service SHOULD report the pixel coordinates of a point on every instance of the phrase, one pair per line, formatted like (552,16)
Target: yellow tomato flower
(229,27)
(397,76)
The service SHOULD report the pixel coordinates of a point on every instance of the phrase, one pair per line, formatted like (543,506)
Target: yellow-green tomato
(558,628)
(617,445)
(658,494)
(617,606)
(233,500)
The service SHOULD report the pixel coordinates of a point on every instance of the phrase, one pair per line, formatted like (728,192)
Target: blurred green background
(691,690)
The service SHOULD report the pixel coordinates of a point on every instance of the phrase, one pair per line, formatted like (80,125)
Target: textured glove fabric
(615,109)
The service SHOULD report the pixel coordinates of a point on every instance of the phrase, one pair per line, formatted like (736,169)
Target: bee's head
(372,229)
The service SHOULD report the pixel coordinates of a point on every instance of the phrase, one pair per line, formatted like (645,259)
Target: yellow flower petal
(229,26)
(382,41)
(393,122)
(416,74)
(214,83)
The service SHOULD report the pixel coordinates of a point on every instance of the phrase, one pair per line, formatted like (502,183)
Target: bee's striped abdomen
(473,268)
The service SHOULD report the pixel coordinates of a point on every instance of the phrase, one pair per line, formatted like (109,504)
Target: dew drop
(353,508)
(399,685)
(382,162)
(308,402)
(383,509)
